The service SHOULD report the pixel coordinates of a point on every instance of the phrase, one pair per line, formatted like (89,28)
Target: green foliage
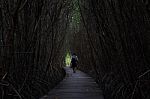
(68,59)
(76,16)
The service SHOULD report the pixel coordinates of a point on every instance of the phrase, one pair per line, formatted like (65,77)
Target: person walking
(74,61)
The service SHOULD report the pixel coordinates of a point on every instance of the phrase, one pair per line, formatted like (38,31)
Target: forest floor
(75,86)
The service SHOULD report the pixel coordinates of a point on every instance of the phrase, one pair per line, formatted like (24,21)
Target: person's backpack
(74,60)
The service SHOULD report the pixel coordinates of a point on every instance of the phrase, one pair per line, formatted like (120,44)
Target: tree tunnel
(110,37)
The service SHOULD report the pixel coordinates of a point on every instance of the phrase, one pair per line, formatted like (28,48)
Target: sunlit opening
(68,59)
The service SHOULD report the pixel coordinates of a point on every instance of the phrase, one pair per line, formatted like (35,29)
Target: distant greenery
(76,16)
(68,59)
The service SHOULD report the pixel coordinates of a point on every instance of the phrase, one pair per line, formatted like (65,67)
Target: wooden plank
(75,86)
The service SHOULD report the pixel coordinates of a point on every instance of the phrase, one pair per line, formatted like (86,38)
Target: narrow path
(76,86)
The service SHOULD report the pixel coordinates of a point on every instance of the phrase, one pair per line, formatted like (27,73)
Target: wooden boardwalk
(75,86)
